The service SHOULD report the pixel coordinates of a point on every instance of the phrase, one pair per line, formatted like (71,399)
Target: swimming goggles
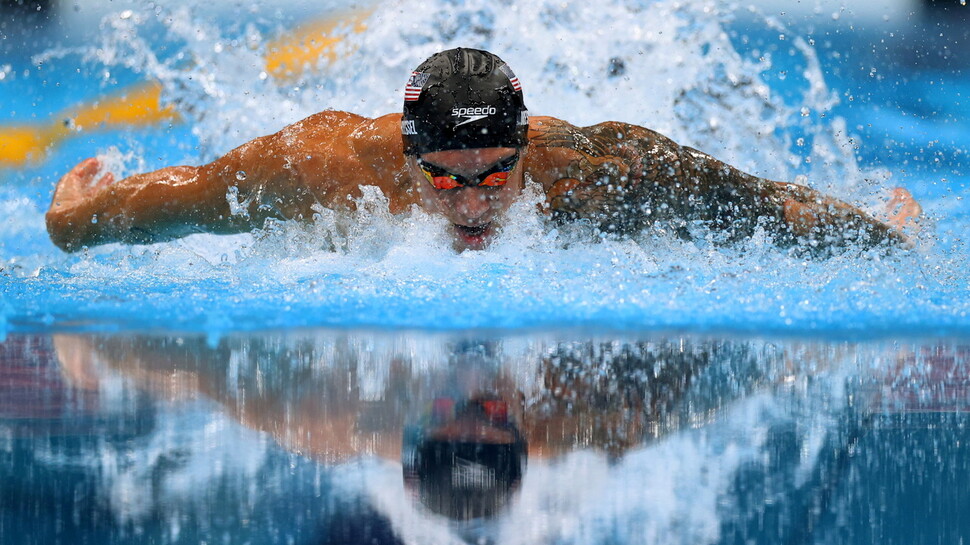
(495,176)
(446,409)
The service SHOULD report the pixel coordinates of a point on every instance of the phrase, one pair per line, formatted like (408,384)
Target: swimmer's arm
(165,204)
(152,207)
(623,178)
(282,175)
(800,215)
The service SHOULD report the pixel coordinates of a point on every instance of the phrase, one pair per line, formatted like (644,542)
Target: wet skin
(475,211)
(619,177)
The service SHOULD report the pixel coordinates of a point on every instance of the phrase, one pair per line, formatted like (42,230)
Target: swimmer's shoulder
(334,138)
(553,135)
(339,126)
(551,148)
(332,153)
(560,149)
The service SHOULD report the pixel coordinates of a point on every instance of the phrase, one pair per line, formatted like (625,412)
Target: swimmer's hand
(79,184)
(74,191)
(902,213)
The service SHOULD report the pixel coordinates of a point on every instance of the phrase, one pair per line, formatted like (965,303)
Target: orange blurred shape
(136,106)
(140,105)
(310,44)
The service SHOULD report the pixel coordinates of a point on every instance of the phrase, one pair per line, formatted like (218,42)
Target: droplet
(126,14)
(241,175)
(94,219)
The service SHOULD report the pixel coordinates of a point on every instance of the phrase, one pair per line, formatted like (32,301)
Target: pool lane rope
(141,104)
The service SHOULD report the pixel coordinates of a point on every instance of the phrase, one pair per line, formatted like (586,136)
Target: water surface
(300,437)
(664,391)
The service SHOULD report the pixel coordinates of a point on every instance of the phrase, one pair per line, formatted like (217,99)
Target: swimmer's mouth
(472,231)
(473,237)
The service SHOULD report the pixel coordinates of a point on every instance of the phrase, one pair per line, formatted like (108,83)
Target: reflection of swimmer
(463,432)
(468,143)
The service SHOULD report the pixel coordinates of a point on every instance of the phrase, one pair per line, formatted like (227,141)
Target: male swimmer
(462,149)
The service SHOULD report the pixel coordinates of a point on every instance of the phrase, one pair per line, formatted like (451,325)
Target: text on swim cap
(472,114)
(481,110)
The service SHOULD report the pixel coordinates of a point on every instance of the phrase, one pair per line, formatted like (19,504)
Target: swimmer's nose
(472,204)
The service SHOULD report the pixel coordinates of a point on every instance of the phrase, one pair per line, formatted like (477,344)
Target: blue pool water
(257,388)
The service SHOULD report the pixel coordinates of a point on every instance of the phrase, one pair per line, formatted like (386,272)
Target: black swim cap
(464,478)
(461,99)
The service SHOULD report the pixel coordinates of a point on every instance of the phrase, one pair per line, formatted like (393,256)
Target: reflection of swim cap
(463,479)
(461,99)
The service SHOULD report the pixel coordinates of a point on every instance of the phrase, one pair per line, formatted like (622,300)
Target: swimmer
(462,149)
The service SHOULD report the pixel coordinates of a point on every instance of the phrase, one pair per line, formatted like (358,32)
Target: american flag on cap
(413,88)
(511,75)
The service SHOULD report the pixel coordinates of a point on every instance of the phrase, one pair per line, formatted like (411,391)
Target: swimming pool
(823,388)
(709,88)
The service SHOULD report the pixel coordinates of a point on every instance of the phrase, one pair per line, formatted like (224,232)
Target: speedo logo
(469,474)
(472,114)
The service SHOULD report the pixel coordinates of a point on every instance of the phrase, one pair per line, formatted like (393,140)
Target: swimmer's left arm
(626,177)
(800,215)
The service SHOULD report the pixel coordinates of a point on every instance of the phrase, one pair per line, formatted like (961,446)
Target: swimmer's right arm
(277,176)
(165,204)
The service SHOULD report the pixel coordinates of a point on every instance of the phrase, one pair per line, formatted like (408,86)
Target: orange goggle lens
(446,409)
(441,182)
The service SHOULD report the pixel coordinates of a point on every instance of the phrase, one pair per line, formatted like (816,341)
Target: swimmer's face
(475,212)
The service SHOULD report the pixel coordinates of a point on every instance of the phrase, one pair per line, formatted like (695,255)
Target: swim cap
(461,99)
(463,478)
